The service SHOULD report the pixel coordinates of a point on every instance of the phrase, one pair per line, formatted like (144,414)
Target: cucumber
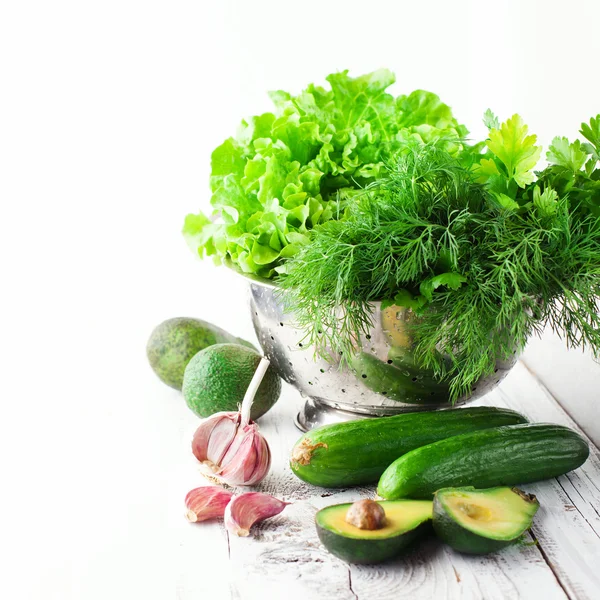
(500,456)
(399,380)
(481,521)
(358,452)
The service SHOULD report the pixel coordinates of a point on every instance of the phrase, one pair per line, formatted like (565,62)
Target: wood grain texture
(567,527)
(571,375)
(284,559)
(433,570)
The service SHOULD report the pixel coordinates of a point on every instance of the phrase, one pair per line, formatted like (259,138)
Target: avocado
(217,378)
(481,521)
(173,343)
(399,381)
(404,521)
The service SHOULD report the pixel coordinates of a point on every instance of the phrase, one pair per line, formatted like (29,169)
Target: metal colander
(337,393)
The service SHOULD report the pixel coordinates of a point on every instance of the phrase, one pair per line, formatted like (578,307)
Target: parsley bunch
(484,250)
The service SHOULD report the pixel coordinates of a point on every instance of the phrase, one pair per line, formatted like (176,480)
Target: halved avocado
(481,521)
(403,523)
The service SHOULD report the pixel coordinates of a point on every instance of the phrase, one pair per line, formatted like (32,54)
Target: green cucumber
(481,521)
(399,381)
(358,452)
(500,456)
(404,521)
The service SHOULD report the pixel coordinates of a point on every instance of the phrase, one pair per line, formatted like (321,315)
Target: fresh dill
(483,253)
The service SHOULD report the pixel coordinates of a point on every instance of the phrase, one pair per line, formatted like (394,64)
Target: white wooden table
(559,558)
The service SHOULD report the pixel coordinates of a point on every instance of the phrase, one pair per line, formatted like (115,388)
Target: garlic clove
(214,436)
(238,464)
(201,438)
(247,509)
(222,437)
(263,460)
(248,459)
(235,448)
(207,502)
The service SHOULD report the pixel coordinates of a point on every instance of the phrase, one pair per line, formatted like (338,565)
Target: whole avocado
(217,378)
(175,341)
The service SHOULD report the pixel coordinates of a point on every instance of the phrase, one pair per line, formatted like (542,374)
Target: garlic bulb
(247,509)
(229,445)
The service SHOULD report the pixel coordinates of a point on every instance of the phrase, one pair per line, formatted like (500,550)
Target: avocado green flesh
(174,342)
(399,382)
(481,521)
(216,380)
(404,521)
(499,456)
(358,452)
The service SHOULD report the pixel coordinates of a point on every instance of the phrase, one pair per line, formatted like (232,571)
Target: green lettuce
(289,170)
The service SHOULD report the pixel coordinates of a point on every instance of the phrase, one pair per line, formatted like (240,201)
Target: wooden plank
(433,570)
(284,555)
(571,375)
(567,526)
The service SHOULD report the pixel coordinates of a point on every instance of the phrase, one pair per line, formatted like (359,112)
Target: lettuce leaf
(289,170)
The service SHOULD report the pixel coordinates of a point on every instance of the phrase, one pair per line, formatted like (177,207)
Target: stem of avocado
(252,389)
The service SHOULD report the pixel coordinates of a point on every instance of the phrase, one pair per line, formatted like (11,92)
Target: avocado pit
(366,514)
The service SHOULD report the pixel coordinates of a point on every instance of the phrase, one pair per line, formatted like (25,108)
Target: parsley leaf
(490,120)
(571,156)
(517,150)
(591,132)
(506,202)
(452,280)
(545,202)
(406,300)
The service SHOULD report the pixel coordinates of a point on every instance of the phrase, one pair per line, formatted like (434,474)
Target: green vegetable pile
(350,196)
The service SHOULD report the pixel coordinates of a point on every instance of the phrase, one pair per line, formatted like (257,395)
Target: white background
(108,114)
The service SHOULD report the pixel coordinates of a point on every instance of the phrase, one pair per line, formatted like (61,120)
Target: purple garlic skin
(247,509)
(207,502)
(234,452)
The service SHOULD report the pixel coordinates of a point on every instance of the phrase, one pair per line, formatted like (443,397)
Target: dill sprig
(386,242)
(481,271)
